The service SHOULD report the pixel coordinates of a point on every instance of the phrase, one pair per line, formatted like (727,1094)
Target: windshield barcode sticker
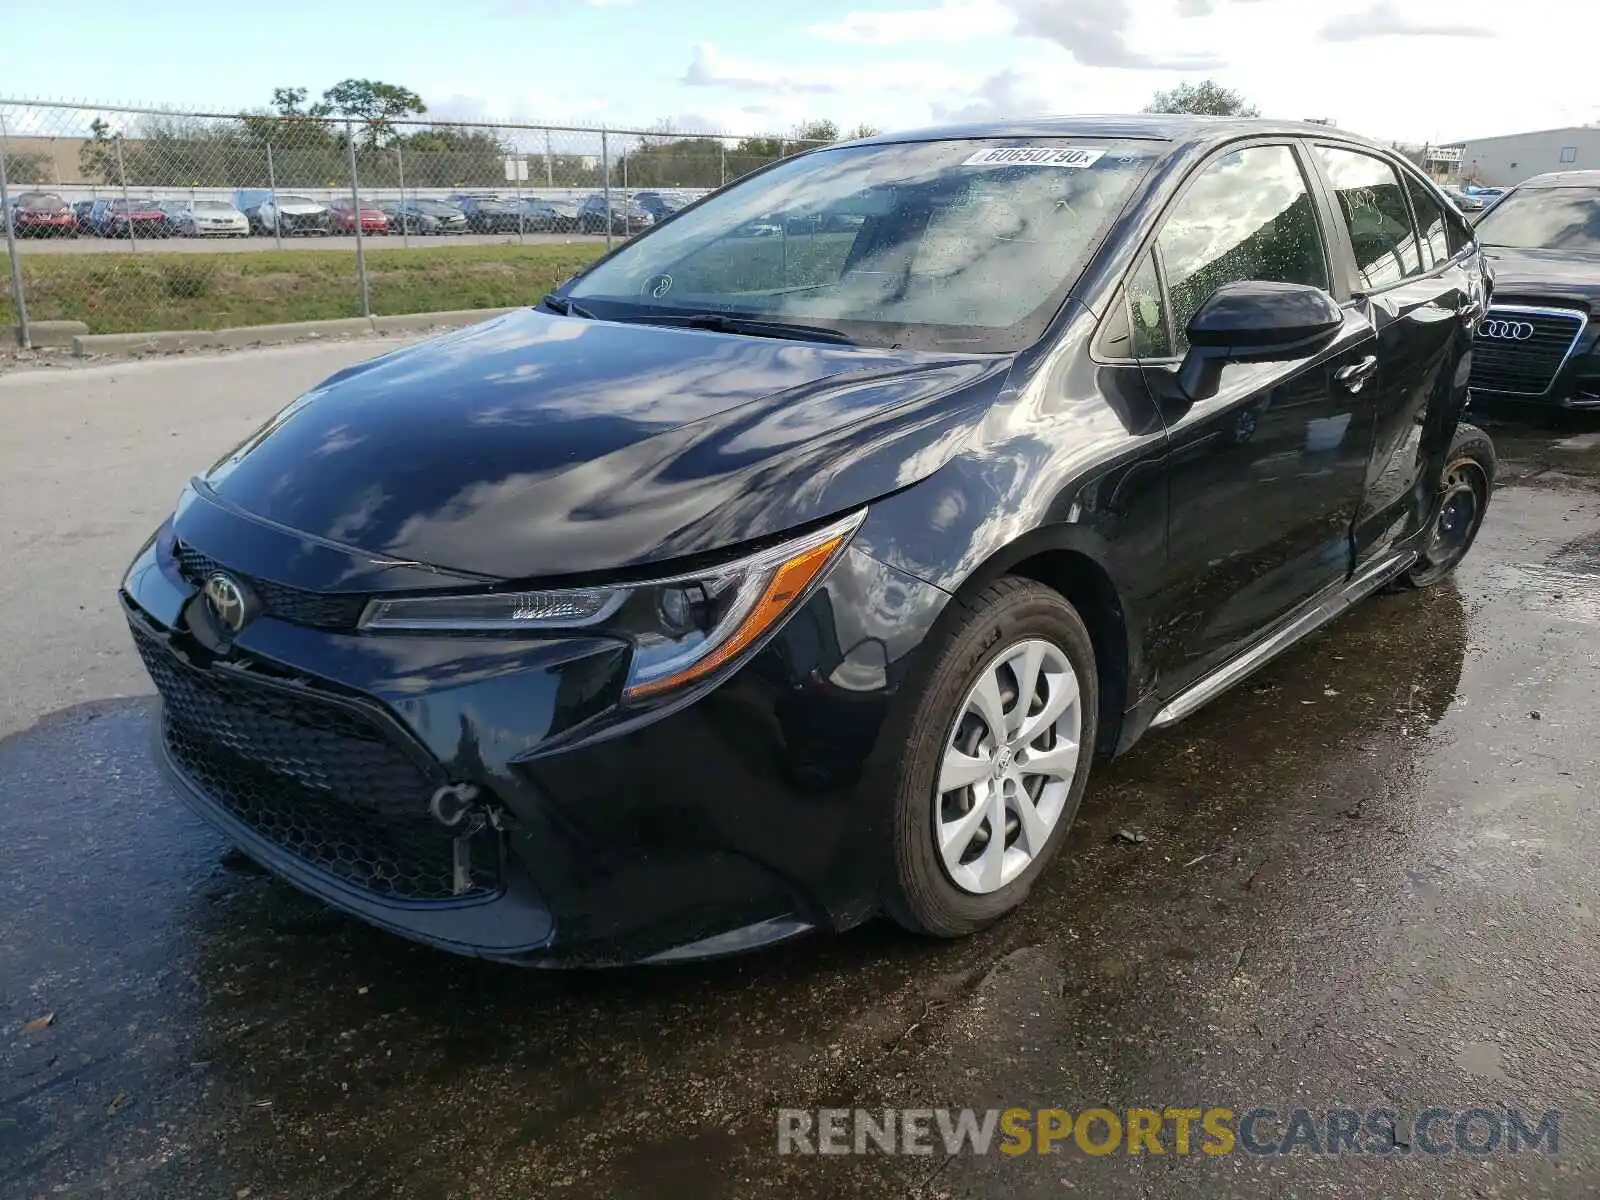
(1034,156)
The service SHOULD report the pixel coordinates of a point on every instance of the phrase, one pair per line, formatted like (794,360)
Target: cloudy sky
(1422,70)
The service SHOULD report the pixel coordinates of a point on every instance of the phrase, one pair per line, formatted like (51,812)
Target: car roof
(1557,179)
(1180,129)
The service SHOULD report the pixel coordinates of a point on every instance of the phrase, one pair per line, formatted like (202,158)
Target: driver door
(1264,477)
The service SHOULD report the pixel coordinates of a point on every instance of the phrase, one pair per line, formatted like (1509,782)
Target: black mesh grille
(323,781)
(1522,366)
(317,609)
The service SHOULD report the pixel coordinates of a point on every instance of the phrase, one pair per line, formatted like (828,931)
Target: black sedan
(550,216)
(660,205)
(626,216)
(492,214)
(425,216)
(1541,341)
(752,586)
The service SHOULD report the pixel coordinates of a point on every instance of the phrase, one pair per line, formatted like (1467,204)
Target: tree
(291,102)
(373,103)
(1208,98)
(97,157)
(815,133)
(24,168)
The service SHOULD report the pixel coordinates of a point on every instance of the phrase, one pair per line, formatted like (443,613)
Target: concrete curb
(85,345)
(45,334)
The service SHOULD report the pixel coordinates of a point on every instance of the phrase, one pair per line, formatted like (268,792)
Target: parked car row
(263,211)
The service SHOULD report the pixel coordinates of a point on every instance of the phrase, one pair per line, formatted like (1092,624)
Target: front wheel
(995,759)
(1465,486)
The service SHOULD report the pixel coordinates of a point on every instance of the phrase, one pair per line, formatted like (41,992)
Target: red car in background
(128,218)
(42,214)
(340,219)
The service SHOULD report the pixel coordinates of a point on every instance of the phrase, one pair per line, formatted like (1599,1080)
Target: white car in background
(212,218)
(291,214)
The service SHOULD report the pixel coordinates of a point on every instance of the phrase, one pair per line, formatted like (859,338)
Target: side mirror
(1249,321)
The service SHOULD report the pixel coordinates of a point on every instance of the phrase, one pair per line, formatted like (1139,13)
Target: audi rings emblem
(1508,331)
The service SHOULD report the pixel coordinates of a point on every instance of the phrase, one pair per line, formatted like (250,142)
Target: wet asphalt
(1368,878)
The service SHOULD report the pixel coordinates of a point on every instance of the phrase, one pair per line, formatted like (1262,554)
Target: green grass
(136,293)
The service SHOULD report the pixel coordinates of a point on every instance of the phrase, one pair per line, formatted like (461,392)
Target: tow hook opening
(461,807)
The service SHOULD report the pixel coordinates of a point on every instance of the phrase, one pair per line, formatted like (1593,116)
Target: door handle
(1355,376)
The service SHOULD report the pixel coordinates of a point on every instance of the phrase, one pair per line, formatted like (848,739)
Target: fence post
(519,166)
(272,184)
(722,163)
(127,205)
(605,177)
(355,219)
(405,222)
(18,299)
(549,163)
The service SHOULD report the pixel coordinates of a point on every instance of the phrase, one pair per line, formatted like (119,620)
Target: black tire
(1465,487)
(918,892)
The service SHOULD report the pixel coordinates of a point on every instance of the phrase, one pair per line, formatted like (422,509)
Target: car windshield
(295,200)
(1563,218)
(40,202)
(435,208)
(212,206)
(963,245)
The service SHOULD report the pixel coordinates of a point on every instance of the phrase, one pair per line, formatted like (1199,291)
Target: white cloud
(709,67)
(1385,20)
(953,21)
(1095,32)
(1024,90)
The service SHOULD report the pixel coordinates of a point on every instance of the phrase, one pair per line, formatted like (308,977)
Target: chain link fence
(132,220)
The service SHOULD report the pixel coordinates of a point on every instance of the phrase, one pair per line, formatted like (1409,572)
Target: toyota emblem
(1508,331)
(227,602)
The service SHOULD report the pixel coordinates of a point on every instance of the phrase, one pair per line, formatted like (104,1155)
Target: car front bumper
(725,818)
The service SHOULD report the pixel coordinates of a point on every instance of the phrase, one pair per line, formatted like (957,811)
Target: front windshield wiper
(567,308)
(750,326)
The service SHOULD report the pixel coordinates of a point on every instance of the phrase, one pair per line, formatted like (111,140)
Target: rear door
(1408,280)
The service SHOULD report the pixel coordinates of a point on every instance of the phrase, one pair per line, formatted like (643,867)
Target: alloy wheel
(1008,766)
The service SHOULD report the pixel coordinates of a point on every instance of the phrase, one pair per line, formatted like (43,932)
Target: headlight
(682,628)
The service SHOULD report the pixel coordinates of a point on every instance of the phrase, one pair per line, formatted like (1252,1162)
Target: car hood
(537,446)
(1546,274)
(301,210)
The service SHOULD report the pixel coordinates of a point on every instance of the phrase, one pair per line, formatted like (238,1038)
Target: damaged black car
(755,585)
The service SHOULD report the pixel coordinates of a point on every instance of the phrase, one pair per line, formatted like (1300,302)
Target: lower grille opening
(319,779)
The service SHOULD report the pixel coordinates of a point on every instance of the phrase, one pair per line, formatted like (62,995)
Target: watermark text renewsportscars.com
(1169,1130)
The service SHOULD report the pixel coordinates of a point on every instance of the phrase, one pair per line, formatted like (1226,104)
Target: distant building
(1504,161)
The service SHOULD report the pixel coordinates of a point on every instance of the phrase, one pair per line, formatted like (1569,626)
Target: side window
(1246,215)
(1457,231)
(1430,222)
(1147,315)
(1136,325)
(1374,208)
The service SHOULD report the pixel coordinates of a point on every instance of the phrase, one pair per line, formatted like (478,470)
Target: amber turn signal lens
(787,584)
